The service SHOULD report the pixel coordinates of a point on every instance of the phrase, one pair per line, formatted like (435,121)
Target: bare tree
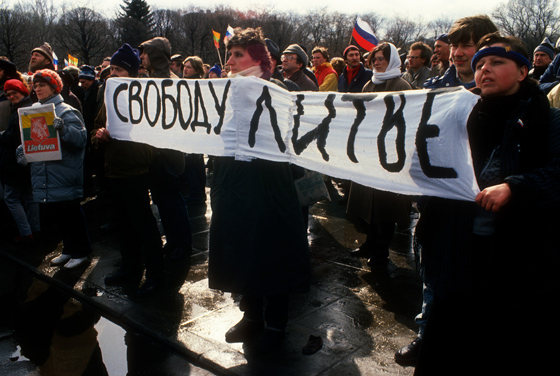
(402,32)
(529,20)
(82,32)
(14,36)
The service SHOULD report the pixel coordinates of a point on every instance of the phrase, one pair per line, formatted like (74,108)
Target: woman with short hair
(258,244)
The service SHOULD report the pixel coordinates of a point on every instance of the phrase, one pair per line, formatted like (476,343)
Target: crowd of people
(480,260)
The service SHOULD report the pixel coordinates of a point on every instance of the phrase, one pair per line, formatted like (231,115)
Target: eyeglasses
(11,93)
(380,59)
(412,57)
(287,57)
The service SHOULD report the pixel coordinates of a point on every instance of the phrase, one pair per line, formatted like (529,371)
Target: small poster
(40,140)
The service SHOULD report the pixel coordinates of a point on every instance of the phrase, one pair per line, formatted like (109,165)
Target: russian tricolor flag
(363,35)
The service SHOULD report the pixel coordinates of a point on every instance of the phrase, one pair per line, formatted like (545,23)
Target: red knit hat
(16,85)
(49,77)
(349,48)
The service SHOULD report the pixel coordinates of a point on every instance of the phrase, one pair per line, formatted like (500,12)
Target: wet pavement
(362,315)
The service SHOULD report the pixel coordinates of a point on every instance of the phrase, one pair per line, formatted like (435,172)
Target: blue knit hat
(87,72)
(546,47)
(216,69)
(128,58)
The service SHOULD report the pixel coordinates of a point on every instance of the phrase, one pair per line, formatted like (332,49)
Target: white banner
(412,142)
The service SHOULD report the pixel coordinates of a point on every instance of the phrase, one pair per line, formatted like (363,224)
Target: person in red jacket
(325,73)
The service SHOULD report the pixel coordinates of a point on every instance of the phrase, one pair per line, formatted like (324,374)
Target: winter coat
(62,180)
(327,78)
(11,172)
(258,243)
(373,205)
(358,82)
(449,79)
(417,79)
(551,76)
(527,133)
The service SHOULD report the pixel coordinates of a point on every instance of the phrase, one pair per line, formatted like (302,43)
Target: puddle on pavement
(59,335)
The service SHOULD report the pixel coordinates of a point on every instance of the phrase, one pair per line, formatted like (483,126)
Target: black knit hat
(8,67)
(128,58)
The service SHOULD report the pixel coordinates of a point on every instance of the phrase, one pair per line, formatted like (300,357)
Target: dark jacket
(11,172)
(258,245)
(524,134)
(449,79)
(358,82)
(303,81)
(551,76)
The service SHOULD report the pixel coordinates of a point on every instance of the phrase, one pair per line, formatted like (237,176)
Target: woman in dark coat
(14,177)
(380,210)
(258,244)
(495,260)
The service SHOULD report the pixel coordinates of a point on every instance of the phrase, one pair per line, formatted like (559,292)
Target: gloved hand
(58,124)
(20,156)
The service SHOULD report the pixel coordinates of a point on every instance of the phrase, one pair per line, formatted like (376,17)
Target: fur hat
(16,85)
(50,78)
(45,50)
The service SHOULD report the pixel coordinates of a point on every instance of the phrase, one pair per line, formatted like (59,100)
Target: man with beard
(355,75)
(41,58)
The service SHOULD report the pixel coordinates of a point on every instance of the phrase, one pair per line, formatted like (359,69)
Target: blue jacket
(62,180)
(357,84)
(551,75)
(449,79)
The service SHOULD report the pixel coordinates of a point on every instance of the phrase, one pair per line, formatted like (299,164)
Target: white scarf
(393,68)
(253,71)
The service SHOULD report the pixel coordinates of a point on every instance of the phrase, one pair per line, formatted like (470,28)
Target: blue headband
(500,51)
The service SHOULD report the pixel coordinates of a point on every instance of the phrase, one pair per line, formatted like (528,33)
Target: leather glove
(58,124)
(20,156)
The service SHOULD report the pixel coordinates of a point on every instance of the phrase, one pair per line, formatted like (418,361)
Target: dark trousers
(141,239)
(166,192)
(71,220)
(273,309)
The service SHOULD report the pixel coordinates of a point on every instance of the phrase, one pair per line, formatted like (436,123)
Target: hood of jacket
(158,50)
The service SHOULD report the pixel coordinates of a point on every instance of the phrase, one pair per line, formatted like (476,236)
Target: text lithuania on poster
(40,140)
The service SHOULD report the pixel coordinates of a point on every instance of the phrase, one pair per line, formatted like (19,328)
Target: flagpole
(219,56)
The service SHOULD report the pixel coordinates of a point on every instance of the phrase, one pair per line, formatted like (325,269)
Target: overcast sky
(433,9)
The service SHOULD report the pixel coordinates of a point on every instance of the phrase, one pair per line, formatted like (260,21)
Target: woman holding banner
(380,210)
(58,185)
(258,245)
(503,296)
